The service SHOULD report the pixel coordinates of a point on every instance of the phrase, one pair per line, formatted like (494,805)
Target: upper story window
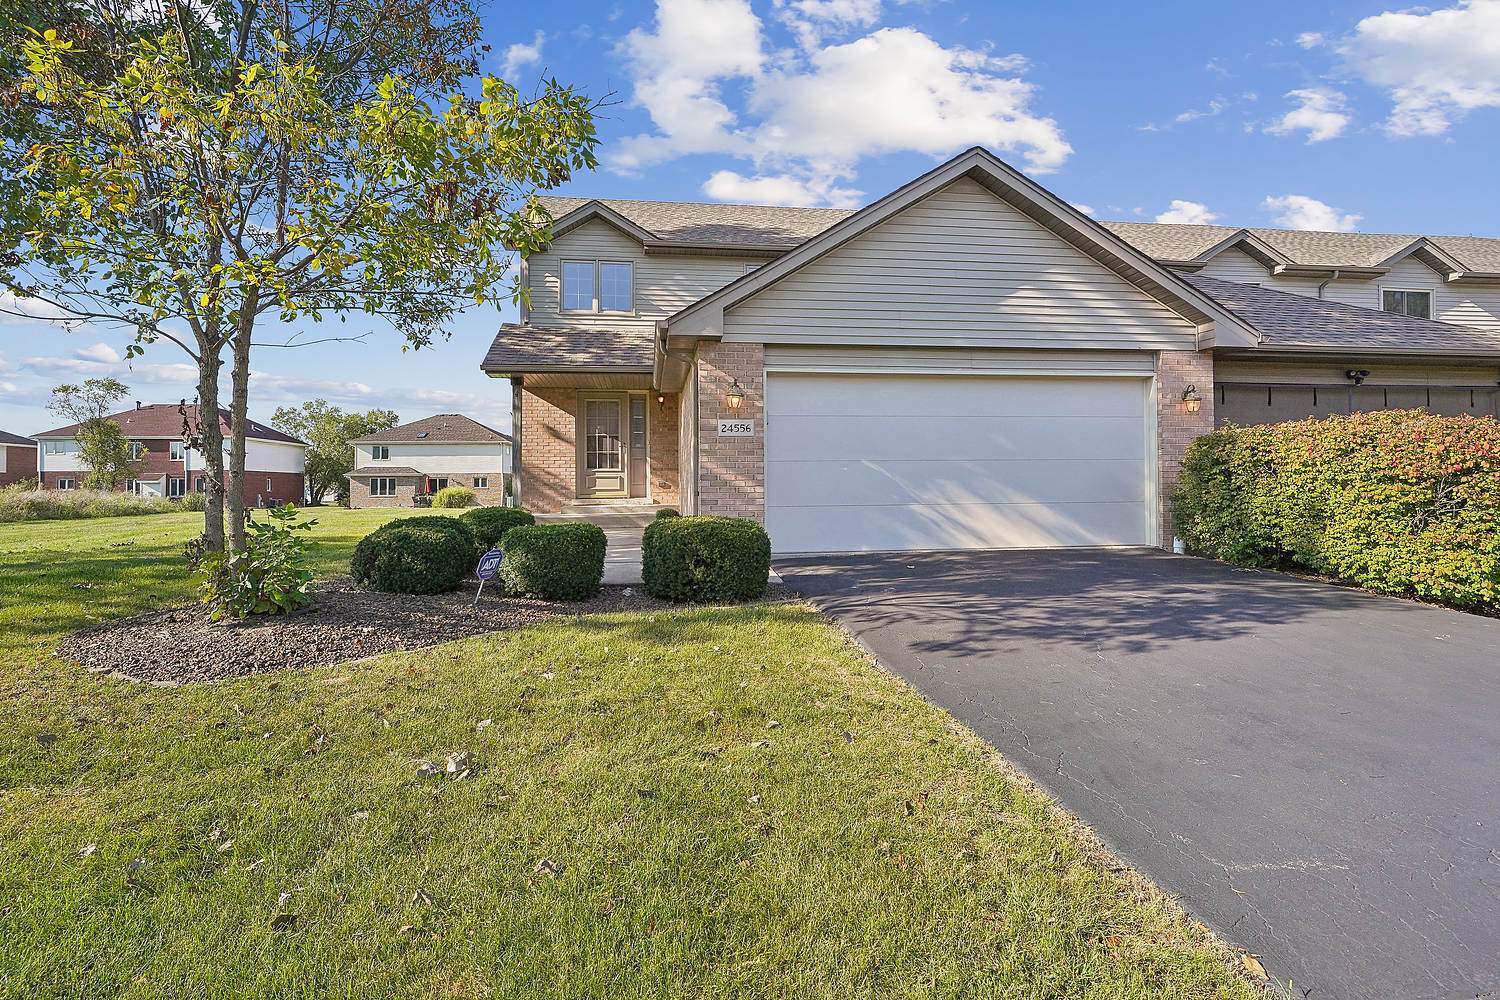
(1407,302)
(69,447)
(598,286)
(176,451)
(137,451)
(380,452)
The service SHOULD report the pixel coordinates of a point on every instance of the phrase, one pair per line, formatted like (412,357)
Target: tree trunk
(211,440)
(238,406)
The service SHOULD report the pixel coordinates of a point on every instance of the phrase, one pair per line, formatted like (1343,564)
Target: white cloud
(1310,39)
(1436,65)
(1085,209)
(1298,211)
(810,116)
(1188,213)
(520,55)
(782,189)
(27,309)
(99,352)
(1323,113)
(1215,107)
(1216,65)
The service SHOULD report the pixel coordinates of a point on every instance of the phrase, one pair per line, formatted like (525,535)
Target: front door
(602,447)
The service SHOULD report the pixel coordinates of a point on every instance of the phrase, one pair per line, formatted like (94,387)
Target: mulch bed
(177,645)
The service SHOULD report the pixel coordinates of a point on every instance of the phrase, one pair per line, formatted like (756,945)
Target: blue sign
(489,564)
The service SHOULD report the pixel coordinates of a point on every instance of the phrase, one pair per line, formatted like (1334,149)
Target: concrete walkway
(622,556)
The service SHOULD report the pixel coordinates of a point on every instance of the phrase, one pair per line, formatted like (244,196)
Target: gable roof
(694,224)
(705,317)
(163,420)
(6,437)
(1288,321)
(440,428)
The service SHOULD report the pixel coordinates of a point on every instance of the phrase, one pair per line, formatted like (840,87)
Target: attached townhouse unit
(969,361)
(274,461)
(17,459)
(393,467)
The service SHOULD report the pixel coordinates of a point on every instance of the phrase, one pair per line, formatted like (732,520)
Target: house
(168,467)
(17,459)
(393,466)
(969,361)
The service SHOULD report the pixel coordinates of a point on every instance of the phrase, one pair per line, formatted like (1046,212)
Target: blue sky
(1346,116)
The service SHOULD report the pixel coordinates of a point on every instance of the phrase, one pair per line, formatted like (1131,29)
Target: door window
(601,434)
(637,423)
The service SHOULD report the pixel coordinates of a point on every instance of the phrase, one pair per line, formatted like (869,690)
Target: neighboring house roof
(696,223)
(385,470)
(163,420)
(520,349)
(441,428)
(705,317)
(1290,321)
(6,437)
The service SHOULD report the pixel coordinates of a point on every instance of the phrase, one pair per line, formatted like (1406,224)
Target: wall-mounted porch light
(1191,401)
(735,396)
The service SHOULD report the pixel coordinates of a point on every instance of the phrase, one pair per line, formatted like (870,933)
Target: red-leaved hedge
(1398,501)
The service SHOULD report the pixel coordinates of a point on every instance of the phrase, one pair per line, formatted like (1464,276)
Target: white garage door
(888,462)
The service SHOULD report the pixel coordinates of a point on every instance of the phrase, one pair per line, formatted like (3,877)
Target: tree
(328,431)
(102,446)
(290,160)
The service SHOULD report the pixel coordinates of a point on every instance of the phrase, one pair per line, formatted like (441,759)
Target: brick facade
(731,470)
(20,463)
(663,445)
(407,487)
(1175,427)
(286,487)
(549,449)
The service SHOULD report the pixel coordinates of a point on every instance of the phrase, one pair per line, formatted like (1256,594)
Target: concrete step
(605,519)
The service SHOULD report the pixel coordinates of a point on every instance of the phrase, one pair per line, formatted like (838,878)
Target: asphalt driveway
(1315,771)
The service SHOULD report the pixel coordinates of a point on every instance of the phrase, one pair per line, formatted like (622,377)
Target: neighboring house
(17,458)
(967,362)
(392,467)
(273,460)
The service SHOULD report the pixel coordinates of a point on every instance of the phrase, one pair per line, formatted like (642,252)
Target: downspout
(1327,281)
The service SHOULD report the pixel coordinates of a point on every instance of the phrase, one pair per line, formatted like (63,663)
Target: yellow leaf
(1252,964)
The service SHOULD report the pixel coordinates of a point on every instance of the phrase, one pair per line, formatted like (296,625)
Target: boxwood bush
(705,559)
(453,496)
(416,555)
(490,524)
(1398,501)
(556,562)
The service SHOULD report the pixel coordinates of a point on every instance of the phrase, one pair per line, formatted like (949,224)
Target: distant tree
(328,431)
(202,172)
(102,446)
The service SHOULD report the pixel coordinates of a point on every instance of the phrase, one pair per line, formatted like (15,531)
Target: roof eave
(1326,271)
(1272,347)
(707,249)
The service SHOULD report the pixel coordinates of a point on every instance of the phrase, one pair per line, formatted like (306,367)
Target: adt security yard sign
(489,565)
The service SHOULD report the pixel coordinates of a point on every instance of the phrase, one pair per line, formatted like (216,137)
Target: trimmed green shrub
(556,562)
(415,555)
(453,496)
(667,512)
(1397,501)
(490,524)
(705,559)
(270,577)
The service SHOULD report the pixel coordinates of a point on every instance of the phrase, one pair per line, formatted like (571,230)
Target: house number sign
(736,428)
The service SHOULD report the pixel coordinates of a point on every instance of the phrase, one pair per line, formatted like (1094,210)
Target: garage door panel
(868,482)
(976,526)
(892,438)
(912,396)
(882,462)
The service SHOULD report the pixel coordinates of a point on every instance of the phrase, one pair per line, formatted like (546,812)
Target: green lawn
(860,846)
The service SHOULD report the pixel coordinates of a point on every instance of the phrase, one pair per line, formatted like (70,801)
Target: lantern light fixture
(1191,401)
(735,396)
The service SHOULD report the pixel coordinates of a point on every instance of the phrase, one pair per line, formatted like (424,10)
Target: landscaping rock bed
(176,645)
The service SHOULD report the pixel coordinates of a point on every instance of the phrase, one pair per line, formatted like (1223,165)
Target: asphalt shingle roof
(527,348)
(698,222)
(384,470)
(162,420)
(6,437)
(1286,319)
(449,427)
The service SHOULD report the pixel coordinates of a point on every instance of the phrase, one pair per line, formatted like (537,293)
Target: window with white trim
(481,482)
(60,447)
(599,286)
(383,486)
(200,485)
(380,452)
(1407,301)
(268,484)
(176,486)
(67,484)
(176,451)
(137,451)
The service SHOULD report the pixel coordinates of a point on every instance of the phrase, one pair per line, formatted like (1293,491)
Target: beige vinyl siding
(1237,265)
(664,283)
(1465,305)
(960,268)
